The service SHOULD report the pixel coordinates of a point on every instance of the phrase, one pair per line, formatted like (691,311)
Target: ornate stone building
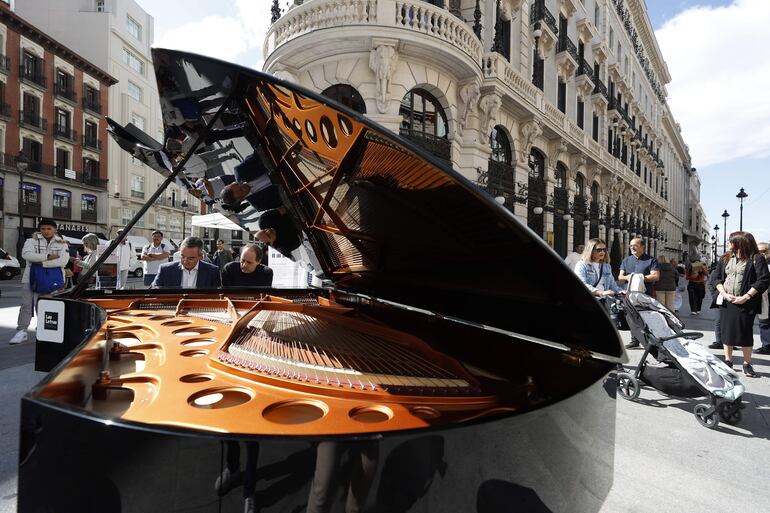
(556,107)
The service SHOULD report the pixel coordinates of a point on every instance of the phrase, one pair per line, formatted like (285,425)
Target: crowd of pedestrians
(738,282)
(48,257)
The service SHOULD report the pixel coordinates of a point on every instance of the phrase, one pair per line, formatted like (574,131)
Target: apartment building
(556,107)
(117,35)
(51,135)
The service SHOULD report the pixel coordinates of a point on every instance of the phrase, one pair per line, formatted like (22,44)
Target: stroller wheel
(628,386)
(730,412)
(706,415)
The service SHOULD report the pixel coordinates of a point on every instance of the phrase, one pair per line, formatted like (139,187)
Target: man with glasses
(191,271)
(764,321)
(639,262)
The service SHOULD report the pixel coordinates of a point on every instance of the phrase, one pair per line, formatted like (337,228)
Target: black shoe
(763,350)
(227,481)
(632,344)
(748,371)
(729,363)
(715,345)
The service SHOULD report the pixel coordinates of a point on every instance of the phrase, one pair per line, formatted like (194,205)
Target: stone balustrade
(319,14)
(428,19)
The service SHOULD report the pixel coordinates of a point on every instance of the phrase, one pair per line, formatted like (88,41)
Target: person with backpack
(153,255)
(46,254)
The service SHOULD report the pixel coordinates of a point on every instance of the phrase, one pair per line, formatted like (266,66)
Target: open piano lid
(378,216)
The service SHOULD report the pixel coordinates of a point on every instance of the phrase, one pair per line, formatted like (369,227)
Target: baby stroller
(687,369)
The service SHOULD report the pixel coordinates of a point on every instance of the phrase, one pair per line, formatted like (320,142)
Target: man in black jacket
(247,272)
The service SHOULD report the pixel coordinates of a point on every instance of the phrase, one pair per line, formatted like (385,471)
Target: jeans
(764,332)
(28,300)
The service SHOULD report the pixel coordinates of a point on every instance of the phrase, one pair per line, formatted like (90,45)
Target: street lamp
(714,243)
(716,239)
(184,218)
(742,194)
(22,164)
(725,215)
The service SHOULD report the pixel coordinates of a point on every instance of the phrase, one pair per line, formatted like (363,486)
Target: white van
(9,266)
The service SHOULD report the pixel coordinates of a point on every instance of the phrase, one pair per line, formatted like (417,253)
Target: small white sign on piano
(50,321)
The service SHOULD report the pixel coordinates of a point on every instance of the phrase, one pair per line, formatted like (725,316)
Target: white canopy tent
(215,220)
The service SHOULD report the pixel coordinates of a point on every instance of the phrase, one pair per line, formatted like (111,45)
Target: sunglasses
(600,250)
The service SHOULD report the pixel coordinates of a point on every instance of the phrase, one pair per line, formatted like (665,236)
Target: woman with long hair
(595,271)
(741,278)
(696,274)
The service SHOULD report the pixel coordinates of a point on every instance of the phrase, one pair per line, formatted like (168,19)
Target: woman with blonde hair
(595,271)
(90,245)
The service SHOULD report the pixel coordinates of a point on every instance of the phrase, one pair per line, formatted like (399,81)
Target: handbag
(44,280)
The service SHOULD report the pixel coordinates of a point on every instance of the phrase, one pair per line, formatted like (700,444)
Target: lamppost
(742,194)
(725,215)
(22,164)
(715,238)
(535,68)
(184,218)
(714,244)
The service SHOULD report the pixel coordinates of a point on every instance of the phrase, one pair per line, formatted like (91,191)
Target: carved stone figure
(530,131)
(286,75)
(490,107)
(383,60)
(469,100)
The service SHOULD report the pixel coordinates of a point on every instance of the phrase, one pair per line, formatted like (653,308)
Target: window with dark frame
(500,146)
(562,97)
(580,113)
(346,95)
(88,207)
(62,205)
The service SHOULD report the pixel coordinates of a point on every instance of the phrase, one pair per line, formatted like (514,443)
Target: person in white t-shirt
(574,257)
(153,255)
(125,252)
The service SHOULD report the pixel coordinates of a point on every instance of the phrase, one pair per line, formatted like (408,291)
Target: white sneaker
(18,338)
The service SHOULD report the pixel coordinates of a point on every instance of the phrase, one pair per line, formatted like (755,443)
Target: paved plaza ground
(664,460)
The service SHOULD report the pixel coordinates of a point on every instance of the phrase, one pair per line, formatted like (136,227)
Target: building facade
(556,107)
(118,35)
(51,135)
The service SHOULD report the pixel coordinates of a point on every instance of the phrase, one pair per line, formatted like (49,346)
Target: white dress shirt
(190,278)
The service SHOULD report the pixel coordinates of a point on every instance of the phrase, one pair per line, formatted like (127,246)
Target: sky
(716,52)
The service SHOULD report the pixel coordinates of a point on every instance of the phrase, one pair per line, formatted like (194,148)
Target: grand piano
(441,359)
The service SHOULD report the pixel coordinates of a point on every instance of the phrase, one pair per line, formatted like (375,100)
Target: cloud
(233,38)
(720,71)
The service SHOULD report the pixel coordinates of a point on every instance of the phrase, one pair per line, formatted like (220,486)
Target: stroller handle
(693,335)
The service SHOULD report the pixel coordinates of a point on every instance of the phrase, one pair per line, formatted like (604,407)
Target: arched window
(346,95)
(580,186)
(561,176)
(501,148)
(595,192)
(536,164)
(421,114)
(423,122)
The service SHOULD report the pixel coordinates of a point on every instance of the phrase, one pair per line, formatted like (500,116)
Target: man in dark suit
(252,184)
(247,272)
(191,271)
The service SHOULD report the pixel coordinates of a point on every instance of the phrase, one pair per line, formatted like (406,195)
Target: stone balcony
(421,29)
